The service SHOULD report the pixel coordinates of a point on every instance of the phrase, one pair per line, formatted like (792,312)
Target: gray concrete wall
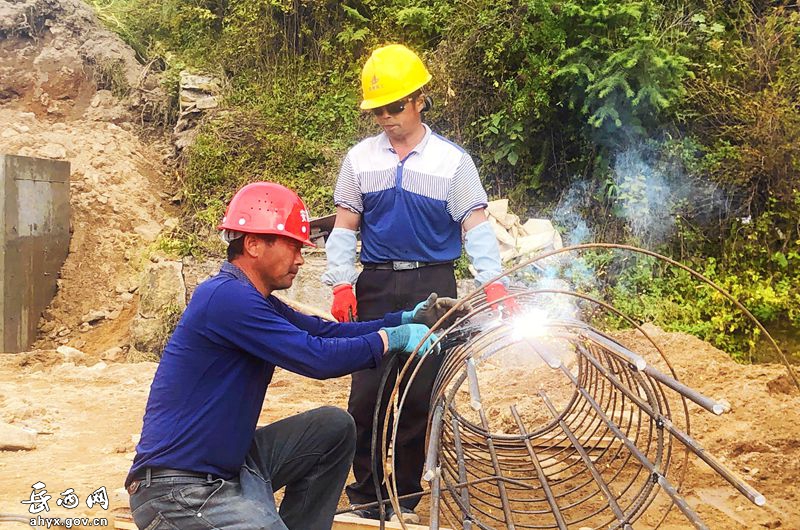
(34,223)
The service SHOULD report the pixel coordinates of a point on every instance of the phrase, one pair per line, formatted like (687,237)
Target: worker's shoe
(367,513)
(406,514)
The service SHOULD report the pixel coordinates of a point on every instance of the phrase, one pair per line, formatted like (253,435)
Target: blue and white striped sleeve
(348,192)
(466,193)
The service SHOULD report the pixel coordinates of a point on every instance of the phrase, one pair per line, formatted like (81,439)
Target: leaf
(354,14)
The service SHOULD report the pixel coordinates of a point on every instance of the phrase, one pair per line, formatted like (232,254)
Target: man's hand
(404,339)
(344,308)
(431,310)
(494,292)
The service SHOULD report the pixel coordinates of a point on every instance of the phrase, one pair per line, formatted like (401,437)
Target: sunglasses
(396,107)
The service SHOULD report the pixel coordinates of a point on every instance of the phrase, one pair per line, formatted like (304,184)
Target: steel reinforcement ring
(540,420)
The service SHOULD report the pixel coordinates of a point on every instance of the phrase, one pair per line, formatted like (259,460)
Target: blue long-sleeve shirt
(209,388)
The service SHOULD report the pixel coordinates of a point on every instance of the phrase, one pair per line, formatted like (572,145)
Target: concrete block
(34,225)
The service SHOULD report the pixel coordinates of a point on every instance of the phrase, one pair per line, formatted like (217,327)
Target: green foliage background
(545,95)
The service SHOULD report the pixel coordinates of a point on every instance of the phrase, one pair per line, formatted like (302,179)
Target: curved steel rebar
(600,444)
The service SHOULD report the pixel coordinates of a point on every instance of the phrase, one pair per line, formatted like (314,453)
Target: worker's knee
(338,425)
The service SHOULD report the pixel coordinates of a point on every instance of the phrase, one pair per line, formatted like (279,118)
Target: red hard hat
(268,208)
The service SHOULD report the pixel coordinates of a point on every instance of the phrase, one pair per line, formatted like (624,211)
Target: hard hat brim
(374,103)
(308,242)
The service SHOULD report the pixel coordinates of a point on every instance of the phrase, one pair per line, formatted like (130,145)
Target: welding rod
(544,351)
(474,390)
(745,489)
(641,457)
(610,344)
(707,403)
(431,459)
(612,502)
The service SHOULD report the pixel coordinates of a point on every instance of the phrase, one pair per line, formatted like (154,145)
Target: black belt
(148,473)
(403,265)
(161,472)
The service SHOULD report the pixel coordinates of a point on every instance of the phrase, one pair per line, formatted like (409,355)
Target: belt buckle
(405,265)
(133,487)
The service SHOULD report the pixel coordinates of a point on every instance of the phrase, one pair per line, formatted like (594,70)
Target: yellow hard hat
(391,73)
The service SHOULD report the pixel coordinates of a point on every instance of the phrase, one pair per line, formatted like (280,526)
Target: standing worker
(412,193)
(201,463)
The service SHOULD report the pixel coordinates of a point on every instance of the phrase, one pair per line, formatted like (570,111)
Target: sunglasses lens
(396,107)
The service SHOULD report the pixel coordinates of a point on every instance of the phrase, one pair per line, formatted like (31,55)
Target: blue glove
(404,338)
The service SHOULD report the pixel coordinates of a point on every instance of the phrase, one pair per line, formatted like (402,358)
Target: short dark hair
(236,247)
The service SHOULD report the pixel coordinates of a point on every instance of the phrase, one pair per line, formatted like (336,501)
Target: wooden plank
(123,524)
(345,522)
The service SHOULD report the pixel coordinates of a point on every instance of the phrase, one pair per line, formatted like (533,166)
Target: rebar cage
(541,420)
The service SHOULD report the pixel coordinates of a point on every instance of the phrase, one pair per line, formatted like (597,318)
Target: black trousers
(379,292)
(308,454)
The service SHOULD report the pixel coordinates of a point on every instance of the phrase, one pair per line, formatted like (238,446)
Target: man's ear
(428,103)
(251,245)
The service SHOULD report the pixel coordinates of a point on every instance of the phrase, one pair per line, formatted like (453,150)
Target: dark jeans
(379,292)
(309,454)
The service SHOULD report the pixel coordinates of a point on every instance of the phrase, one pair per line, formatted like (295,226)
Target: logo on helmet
(304,216)
(376,83)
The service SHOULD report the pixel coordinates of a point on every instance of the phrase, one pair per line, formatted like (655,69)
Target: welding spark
(532,323)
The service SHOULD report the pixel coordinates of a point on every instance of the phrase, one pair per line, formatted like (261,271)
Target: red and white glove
(494,292)
(344,308)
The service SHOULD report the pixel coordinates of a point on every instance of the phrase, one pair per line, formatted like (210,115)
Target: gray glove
(431,310)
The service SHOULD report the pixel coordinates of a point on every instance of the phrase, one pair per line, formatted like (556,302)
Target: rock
(64,332)
(8,133)
(14,438)
(80,343)
(162,288)
(70,354)
(97,367)
(147,334)
(114,355)
(85,327)
(126,297)
(93,317)
(53,151)
(114,314)
(162,298)
(201,83)
(205,103)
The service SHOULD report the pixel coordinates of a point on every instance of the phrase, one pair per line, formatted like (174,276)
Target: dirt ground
(88,416)
(88,412)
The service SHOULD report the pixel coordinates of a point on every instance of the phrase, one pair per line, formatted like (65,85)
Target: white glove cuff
(340,248)
(483,253)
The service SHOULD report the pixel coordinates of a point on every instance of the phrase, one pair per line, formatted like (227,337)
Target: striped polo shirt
(411,209)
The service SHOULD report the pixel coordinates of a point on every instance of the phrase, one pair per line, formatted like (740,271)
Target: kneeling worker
(201,462)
